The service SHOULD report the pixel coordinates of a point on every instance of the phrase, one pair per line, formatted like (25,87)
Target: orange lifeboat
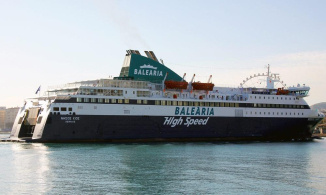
(281,91)
(176,84)
(202,86)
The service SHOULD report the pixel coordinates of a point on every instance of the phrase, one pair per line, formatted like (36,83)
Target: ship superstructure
(150,102)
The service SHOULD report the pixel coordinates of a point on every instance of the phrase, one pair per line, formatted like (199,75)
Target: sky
(48,43)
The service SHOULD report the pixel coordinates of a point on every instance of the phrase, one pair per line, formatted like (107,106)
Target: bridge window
(145,101)
(163,103)
(79,99)
(86,99)
(55,108)
(93,100)
(107,101)
(185,103)
(113,101)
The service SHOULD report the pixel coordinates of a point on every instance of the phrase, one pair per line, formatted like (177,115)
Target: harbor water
(164,168)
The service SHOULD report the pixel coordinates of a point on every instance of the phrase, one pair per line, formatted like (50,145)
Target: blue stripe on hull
(157,128)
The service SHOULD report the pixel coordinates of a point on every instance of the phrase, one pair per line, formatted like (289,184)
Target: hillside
(319,106)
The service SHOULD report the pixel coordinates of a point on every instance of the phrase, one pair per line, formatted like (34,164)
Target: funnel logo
(148,70)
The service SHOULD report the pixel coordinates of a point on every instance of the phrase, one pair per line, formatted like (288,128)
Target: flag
(39,88)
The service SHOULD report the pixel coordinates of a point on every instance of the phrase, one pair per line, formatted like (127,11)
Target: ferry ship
(149,102)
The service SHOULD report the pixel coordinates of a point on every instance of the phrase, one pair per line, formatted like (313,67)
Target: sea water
(164,168)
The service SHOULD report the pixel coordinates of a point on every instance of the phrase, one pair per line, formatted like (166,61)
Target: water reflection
(29,167)
(317,167)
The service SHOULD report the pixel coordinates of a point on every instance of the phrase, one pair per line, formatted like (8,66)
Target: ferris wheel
(263,80)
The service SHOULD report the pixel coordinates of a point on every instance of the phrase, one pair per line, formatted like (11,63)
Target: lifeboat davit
(176,84)
(202,86)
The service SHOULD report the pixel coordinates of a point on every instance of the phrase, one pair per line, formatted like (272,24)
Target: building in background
(2,117)
(10,117)
(320,129)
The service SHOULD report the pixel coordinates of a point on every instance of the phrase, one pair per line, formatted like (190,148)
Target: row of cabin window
(260,97)
(277,113)
(105,100)
(185,103)
(61,109)
(160,102)
(277,106)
